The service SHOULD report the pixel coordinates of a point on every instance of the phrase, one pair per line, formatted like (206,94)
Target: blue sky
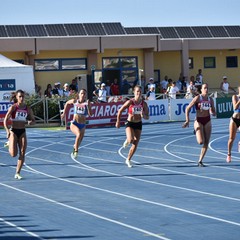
(131,13)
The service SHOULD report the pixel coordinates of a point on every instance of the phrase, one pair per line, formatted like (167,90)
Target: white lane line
(21,228)
(84,211)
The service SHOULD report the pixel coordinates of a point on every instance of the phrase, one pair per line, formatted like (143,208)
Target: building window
(232,62)
(60,64)
(209,62)
(120,62)
(71,64)
(190,62)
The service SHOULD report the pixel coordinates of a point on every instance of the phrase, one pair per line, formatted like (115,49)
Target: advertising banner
(105,114)
(3,110)
(178,109)
(224,107)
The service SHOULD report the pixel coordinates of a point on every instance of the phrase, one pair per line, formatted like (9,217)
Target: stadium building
(104,51)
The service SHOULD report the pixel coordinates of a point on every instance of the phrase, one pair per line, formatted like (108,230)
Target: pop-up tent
(14,76)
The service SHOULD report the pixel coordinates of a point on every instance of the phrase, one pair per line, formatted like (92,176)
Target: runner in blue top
(234,123)
(82,108)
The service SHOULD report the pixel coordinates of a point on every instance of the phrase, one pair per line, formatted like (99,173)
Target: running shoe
(17,176)
(6,144)
(200,164)
(74,154)
(128,162)
(229,158)
(125,144)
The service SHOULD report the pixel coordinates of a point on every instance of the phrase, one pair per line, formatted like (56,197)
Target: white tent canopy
(14,76)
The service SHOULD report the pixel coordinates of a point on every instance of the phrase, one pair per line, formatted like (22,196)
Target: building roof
(116,28)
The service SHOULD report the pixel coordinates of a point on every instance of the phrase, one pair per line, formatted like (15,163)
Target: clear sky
(131,13)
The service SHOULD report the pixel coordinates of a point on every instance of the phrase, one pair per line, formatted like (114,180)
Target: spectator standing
(199,80)
(101,94)
(225,86)
(173,90)
(125,87)
(115,87)
(48,91)
(108,88)
(151,94)
(73,86)
(191,90)
(164,84)
(150,84)
(66,91)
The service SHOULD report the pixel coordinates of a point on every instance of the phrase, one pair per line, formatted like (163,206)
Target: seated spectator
(115,87)
(151,94)
(66,91)
(48,91)
(101,94)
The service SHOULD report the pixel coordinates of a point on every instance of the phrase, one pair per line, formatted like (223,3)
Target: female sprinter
(137,109)
(82,108)
(20,113)
(234,123)
(202,125)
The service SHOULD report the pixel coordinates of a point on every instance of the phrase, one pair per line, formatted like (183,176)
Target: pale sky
(131,13)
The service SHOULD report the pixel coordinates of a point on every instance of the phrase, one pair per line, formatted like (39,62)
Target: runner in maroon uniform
(137,109)
(20,113)
(202,125)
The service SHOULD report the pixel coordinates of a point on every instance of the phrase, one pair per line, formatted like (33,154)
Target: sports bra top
(135,108)
(80,108)
(19,114)
(203,104)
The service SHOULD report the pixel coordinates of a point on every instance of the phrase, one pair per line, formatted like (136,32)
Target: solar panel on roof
(218,31)
(55,30)
(202,32)
(133,30)
(168,32)
(3,32)
(233,31)
(113,28)
(185,32)
(16,31)
(75,29)
(36,30)
(150,30)
(94,29)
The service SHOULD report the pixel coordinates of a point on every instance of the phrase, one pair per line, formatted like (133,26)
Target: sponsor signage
(7,85)
(3,110)
(224,107)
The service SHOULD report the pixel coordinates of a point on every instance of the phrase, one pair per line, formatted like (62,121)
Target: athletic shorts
(236,121)
(203,120)
(18,132)
(134,125)
(79,125)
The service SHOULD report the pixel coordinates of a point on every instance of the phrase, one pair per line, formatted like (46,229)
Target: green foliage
(51,105)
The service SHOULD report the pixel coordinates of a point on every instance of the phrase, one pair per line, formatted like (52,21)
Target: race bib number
(137,110)
(21,116)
